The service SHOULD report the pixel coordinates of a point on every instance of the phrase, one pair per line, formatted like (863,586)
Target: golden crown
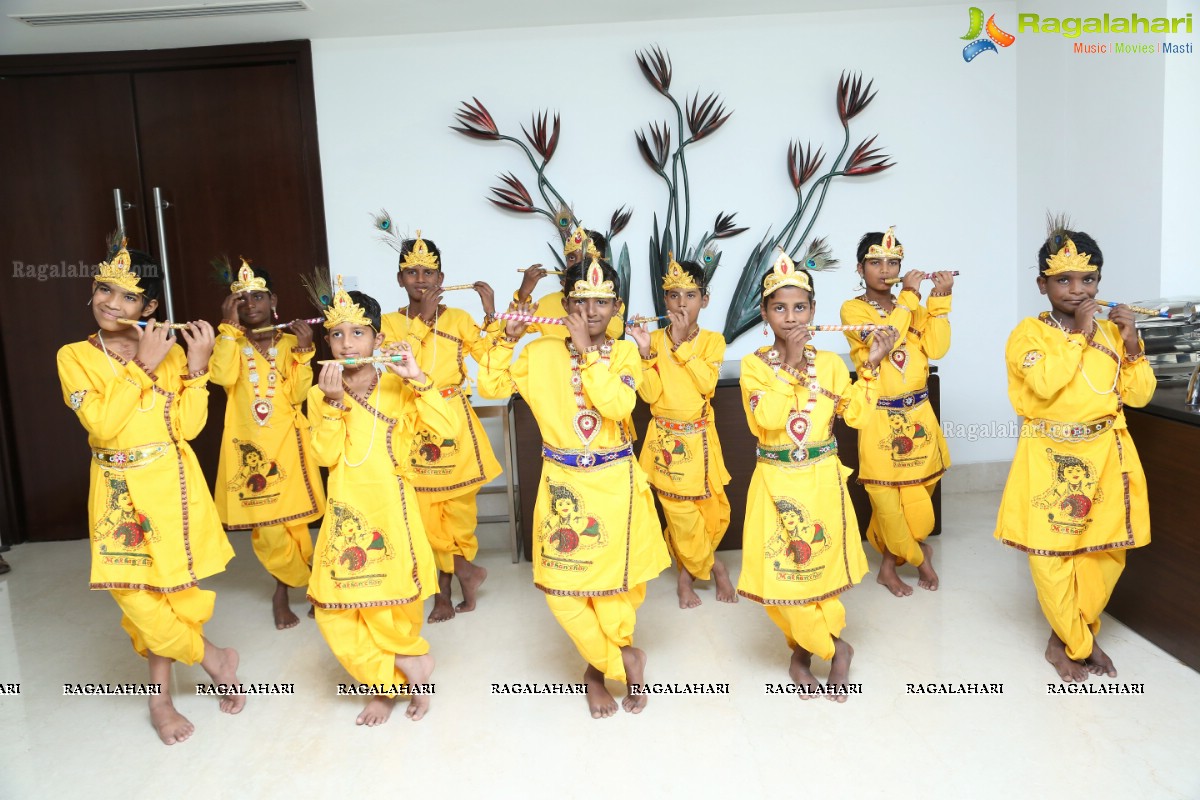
(886,249)
(1068,259)
(594,284)
(247,281)
(116,271)
(677,277)
(420,256)
(784,273)
(344,309)
(574,243)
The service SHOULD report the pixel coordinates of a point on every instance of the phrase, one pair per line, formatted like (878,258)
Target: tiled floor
(983,626)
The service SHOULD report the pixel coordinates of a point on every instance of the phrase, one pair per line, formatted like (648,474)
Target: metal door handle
(121,207)
(161,205)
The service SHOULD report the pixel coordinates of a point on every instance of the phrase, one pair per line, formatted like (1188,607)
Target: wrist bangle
(939,294)
(1133,358)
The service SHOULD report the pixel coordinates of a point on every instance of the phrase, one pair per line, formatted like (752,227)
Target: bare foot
(221,664)
(635,675)
(312,612)
(442,608)
(470,578)
(1098,663)
(889,579)
(172,727)
(1068,670)
(839,670)
(726,593)
(801,675)
(600,702)
(417,670)
(687,595)
(377,711)
(284,618)
(926,577)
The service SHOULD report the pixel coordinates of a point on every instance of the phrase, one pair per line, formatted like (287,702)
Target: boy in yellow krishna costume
(447,471)
(800,543)
(267,481)
(373,568)
(1075,500)
(597,540)
(682,454)
(902,453)
(155,532)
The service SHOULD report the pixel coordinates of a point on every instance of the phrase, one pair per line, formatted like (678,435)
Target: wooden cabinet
(1158,595)
(228,136)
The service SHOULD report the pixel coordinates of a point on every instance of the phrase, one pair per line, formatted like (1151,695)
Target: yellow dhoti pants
(367,640)
(901,518)
(1073,591)
(694,529)
(450,527)
(168,625)
(812,626)
(600,626)
(285,551)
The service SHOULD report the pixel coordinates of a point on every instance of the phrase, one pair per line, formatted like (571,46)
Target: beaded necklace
(374,417)
(1111,346)
(798,419)
(899,356)
(260,409)
(587,420)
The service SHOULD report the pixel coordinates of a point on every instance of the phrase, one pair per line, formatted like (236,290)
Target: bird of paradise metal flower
(802,164)
(702,119)
(475,121)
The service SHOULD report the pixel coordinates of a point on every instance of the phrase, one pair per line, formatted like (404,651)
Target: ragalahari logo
(995,36)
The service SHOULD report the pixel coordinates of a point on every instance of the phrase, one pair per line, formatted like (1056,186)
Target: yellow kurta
(682,453)
(800,543)
(1076,484)
(596,537)
(152,522)
(463,461)
(552,306)
(595,530)
(901,443)
(267,475)
(372,549)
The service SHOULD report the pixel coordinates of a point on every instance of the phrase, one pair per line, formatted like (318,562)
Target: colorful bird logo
(995,36)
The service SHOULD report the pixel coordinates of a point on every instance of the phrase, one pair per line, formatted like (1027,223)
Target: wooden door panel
(66,143)
(226,146)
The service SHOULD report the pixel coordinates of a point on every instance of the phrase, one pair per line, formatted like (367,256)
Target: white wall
(1181,163)
(976,168)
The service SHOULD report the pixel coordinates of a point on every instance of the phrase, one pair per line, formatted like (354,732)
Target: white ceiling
(327,19)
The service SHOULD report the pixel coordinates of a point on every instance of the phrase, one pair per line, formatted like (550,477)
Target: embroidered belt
(450,391)
(582,459)
(679,426)
(1070,431)
(903,401)
(128,459)
(786,454)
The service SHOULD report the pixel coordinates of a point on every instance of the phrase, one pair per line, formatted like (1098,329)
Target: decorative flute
(548,272)
(531,319)
(282,325)
(352,362)
(868,328)
(1153,312)
(928,277)
(141,323)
